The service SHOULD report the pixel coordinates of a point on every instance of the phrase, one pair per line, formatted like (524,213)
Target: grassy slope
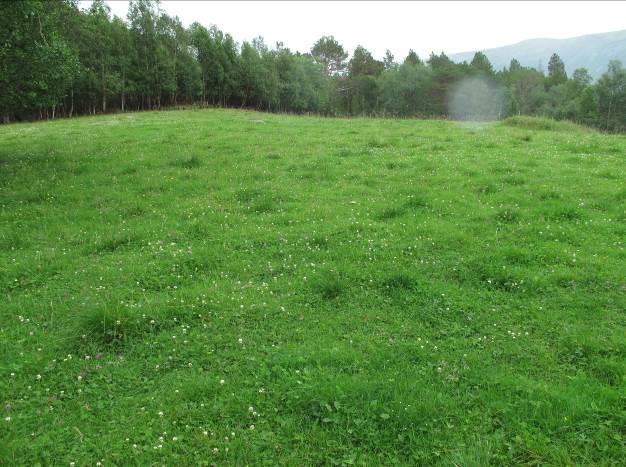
(377,291)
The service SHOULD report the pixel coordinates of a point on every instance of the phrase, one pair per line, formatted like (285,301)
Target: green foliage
(611,90)
(412,58)
(556,71)
(404,92)
(36,65)
(389,60)
(374,292)
(480,64)
(330,54)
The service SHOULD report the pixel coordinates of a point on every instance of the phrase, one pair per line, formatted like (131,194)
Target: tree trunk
(104,91)
(54,107)
(123,89)
(5,119)
(71,101)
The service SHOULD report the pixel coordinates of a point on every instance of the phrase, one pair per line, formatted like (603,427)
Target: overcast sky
(423,26)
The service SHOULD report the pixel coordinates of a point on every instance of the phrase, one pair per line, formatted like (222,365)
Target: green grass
(541,123)
(369,291)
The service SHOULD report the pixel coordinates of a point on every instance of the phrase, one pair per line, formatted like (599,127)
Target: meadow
(237,288)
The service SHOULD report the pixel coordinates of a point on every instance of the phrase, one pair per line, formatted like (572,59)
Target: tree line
(59,60)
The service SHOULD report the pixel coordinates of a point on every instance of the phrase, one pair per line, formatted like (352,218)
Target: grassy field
(230,287)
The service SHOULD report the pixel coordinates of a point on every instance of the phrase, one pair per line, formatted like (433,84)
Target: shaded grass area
(191,286)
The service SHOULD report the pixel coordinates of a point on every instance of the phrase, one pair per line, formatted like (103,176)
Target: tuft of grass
(508,216)
(378,143)
(390,213)
(328,285)
(417,202)
(347,152)
(543,123)
(192,162)
(399,281)
(103,328)
(112,244)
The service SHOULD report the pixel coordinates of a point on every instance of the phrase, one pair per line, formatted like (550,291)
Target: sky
(425,27)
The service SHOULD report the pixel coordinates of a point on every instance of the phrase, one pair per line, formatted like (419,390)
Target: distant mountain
(593,51)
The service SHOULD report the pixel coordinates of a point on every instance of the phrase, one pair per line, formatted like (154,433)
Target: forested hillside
(58,60)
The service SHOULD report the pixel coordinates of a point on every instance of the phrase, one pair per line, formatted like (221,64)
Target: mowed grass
(229,287)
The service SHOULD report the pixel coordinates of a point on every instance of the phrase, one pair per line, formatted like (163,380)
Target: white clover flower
(252,427)
(222,381)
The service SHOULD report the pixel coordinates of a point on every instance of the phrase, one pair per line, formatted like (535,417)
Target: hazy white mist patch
(476,99)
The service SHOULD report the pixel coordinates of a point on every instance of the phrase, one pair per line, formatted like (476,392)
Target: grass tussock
(543,124)
(192,162)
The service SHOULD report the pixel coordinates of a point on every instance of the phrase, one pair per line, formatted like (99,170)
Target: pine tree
(556,71)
